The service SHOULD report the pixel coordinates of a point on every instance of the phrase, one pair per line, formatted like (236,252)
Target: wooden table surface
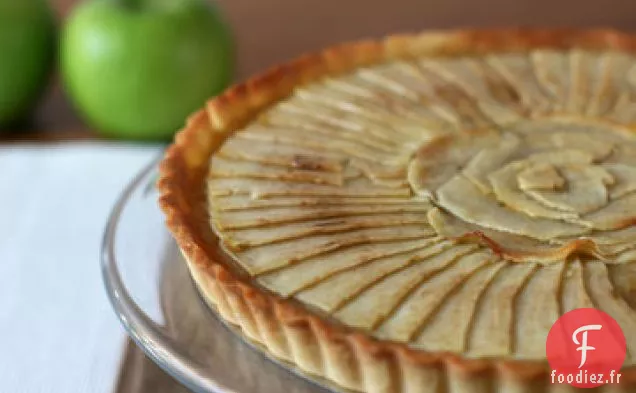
(271,31)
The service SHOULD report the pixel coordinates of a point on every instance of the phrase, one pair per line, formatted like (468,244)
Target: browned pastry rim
(276,322)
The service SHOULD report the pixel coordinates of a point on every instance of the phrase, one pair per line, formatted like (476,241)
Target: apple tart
(414,214)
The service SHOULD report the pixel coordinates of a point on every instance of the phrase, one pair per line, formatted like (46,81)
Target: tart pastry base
(287,330)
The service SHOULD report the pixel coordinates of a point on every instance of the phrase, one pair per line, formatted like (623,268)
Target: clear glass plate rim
(143,331)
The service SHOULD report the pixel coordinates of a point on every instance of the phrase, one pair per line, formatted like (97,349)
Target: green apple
(135,69)
(27,48)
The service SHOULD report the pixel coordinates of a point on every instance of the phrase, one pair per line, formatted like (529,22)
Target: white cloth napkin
(58,332)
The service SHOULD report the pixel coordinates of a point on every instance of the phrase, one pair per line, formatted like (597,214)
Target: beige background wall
(269,31)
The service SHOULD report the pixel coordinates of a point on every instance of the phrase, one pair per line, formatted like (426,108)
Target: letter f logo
(583,344)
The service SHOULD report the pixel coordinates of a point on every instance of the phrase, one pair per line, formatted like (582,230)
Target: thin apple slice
(490,159)
(623,277)
(239,219)
(573,292)
(617,214)
(318,274)
(467,112)
(223,167)
(257,236)
(625,103)
(378,302)
(552,71)
(518,70)
(537,307)
(408,123)
(625,179)
(407,75)
(492,333)
(586,190)
(604,97)
(437,162)
(258,188)
(582,80)
(494,96)
(331,121)
(602,293)
(281,154)
(465,200)
(259,260)
(374,129)
(296,132)
(246,202)
(414,311)
(427,117)
(450,326)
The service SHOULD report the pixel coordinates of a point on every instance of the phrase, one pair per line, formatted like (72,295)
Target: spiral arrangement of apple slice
(456,204)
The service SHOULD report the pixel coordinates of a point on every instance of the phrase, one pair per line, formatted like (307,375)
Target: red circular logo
(585,348)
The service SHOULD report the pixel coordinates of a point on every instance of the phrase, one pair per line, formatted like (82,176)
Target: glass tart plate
(155,299)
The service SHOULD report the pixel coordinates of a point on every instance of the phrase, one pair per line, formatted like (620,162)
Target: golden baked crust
(288,330)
